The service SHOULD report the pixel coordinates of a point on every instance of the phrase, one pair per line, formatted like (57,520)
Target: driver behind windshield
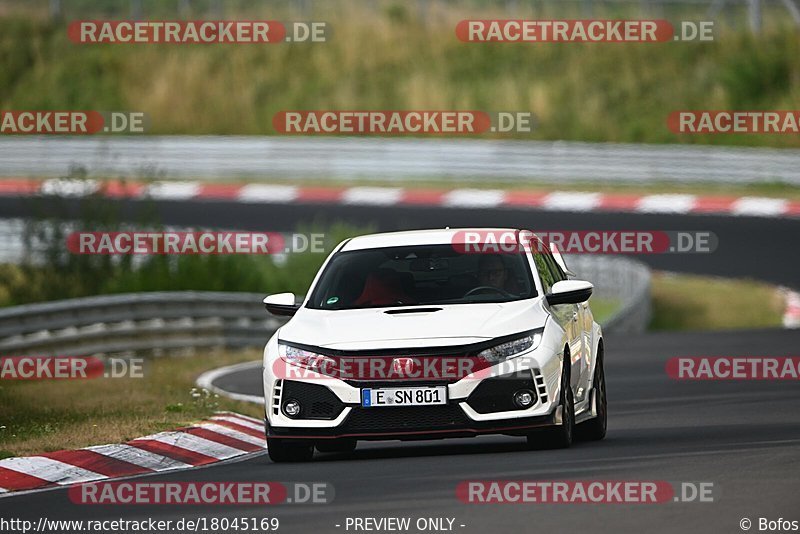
(492,272)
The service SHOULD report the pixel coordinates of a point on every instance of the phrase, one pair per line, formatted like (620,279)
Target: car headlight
(509,349)
(307,359)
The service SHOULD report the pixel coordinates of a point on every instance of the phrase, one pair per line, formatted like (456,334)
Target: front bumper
(476,405)
(356,426)
(327,413)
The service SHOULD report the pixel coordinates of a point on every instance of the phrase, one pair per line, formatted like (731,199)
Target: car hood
(372,328)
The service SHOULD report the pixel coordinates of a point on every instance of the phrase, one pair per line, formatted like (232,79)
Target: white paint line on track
(67,187)
(268,193)
(769,207)
(3,490)
(571,201)
(173,190)
(220,429)
(196,444)
(474,198)
(380,196)
(206,381)
(139,457)
(249,424)
(51,470)
(666,203)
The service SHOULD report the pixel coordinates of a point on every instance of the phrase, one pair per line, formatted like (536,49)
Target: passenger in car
(382,288)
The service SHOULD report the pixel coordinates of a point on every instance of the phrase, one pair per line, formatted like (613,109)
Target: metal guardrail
(157,322)
(388,160)
(165,322)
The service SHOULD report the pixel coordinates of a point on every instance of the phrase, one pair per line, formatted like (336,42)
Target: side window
(544,271)
(555,269)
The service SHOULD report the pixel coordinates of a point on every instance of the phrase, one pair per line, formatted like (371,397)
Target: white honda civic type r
(432,334)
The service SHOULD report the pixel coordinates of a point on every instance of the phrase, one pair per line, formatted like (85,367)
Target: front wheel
(289,450)
(560,436)
(595,429)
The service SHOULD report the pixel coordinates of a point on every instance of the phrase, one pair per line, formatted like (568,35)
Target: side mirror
(569,292)
(281,304)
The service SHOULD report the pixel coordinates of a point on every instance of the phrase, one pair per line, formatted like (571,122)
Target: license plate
(422,396)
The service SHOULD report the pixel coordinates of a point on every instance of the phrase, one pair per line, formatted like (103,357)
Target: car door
(565,314)
(583,318)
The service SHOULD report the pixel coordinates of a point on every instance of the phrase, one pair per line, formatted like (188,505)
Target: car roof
(443,236)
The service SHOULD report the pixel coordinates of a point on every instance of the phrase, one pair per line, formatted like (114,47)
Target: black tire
(288,450)
(595,429)
(559,437)
(342,445)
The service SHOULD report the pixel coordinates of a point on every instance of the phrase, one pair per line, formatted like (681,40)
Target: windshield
(424,274)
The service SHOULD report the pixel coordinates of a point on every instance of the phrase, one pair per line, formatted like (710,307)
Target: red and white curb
(224,436)
(263,193)
(791,314)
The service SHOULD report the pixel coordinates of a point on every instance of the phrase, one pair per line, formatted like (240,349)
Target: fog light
(524,398)
(291,408)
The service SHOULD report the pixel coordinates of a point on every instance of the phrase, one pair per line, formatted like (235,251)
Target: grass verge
(51,415)
(687,302)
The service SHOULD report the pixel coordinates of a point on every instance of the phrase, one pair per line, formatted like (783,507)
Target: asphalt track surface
(742,436)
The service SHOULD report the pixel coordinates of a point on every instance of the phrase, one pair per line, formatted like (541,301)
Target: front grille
(405,419)
(496,394)
(316,402)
